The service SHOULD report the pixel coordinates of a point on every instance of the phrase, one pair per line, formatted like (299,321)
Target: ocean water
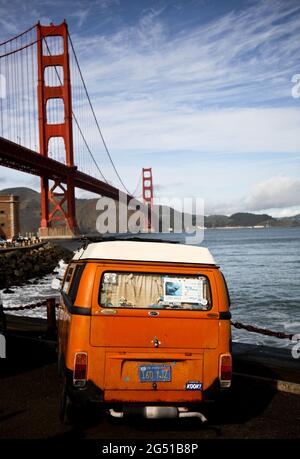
(262,269)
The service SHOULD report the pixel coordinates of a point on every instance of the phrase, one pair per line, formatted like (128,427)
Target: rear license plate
(155,373)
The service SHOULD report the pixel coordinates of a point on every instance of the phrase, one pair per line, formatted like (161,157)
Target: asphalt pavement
(29,406)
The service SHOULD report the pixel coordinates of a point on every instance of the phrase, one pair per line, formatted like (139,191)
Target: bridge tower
(58,202)
(147,184)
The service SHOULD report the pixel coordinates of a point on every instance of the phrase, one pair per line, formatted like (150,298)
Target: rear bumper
(91,394)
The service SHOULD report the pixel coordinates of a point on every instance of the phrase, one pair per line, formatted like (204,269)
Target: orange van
(143,326)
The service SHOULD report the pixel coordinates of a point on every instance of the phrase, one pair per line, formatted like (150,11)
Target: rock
(8,290)
(18,266)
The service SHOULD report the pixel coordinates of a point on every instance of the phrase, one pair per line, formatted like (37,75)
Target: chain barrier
(27,306)
(238,325)
(262,331)
(51,306)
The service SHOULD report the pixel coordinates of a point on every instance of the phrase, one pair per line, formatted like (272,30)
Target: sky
(199,90)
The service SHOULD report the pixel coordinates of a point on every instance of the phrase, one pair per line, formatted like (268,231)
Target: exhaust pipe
(193,414)
(158,412)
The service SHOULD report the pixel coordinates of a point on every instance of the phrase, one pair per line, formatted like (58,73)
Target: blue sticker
(193,385)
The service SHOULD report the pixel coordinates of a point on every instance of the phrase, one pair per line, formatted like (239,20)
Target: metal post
(51,317)
(3,324)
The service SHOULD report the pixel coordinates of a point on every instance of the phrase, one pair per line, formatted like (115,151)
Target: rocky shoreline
(19,265)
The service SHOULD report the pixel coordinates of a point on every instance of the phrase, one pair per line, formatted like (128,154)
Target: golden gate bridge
(49,128)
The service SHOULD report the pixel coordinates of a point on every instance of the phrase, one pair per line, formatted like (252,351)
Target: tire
(67,409)
(59,365)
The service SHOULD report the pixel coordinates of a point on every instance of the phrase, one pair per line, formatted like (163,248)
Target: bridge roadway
(23,159)
(30,391)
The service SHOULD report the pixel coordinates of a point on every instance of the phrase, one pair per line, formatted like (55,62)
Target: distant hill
(292,221)
(239,219)
(214,221)
(247,219)
(30,214)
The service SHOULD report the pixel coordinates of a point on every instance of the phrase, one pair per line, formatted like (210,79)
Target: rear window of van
(154,291)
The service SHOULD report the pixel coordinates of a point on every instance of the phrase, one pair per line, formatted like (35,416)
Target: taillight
(225,370)
(80,369)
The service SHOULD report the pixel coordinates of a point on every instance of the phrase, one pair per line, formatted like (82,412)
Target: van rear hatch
(147,355)
(153,329)
(137,329)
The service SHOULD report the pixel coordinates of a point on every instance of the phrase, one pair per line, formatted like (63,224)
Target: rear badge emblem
(153,313)
(193,385)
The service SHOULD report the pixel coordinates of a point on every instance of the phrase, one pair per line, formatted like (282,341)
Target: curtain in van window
(134,290)
(144,290)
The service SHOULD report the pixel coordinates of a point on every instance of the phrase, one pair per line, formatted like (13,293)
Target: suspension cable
(96,120)
(14,51)
(137,187)
(75,119)
(28,45)
(17,36)
(19,49)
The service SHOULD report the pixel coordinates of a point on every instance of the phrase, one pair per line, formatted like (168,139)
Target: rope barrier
(262,331)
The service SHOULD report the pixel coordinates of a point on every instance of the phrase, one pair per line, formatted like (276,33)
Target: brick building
(9,216)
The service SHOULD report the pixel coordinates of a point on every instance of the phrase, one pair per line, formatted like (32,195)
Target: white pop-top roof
(145,251)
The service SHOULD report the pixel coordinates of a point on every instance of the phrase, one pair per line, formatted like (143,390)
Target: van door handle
(156,342)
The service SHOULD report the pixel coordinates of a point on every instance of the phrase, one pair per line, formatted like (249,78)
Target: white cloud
(275,193)
(220,87)
(81,15)
(286,212)
(17,16)
(144,126)
(225,60)
(277,196)
(214,88)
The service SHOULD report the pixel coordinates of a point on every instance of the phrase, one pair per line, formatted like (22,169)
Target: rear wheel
(67,409)
(59,365)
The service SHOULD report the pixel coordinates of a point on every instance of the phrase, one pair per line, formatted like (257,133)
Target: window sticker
(110,278)
(193,385)
(178,290)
